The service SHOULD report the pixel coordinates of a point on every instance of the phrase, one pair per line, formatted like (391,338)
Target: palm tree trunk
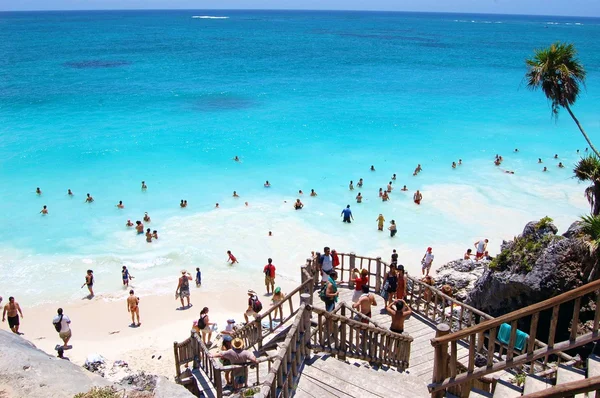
(582,130)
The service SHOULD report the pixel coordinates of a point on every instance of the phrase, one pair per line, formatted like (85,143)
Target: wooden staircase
(560,386)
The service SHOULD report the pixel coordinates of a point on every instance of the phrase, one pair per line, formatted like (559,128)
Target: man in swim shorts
(417,197)
(364,303)
(426,261)
(10,310)
(134,308)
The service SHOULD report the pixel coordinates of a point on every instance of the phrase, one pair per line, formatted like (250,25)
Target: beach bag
(256,304)
(58,325)
(201,323)
(323,292)
(268,271)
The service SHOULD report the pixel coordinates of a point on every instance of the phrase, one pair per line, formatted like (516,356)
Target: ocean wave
(208,17)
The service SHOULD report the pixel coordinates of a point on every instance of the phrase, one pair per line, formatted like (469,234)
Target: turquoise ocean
(98,101)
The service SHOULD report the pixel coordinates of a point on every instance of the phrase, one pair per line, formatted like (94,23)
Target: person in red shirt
(231,258)
(361,279)
(269,272)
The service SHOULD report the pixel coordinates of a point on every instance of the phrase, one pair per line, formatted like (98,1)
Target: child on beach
(198,277)
(231,258)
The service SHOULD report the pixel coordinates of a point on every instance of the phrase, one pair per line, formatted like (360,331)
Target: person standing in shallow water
(380,220)
(126,276)
(392,228)
(183,288)
(417,197)
(89,282)
(347,214)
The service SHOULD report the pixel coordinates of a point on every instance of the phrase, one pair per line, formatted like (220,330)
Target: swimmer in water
(148,235)
(185,203)
(360,183)
(394,177)
(146,217)
(155,234)
(562,166)
(351,186)
(120,205)
(545,168)
(298,205)
(300,192)
(236,158)
(246,203)
(497,162)
(44,210)
(69,192)
(372,168)
(313,193)
(270,233)
(139,227)
(509,172)
(231,257)
(380,192)
(216,205)
(459,162)
(539,160)
(267,184)
(144,186)
(404,188)
(385,197)
(417,197)
(181,204)
(453,165)
(89,198)
(359,198)
(389,187)
(38,191)
(556,156)
(129,223)
(235,195)
(516,150)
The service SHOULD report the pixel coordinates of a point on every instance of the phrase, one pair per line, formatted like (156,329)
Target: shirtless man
(139,227)
(69,192)
(89,282)
(144,186)
(44,210)
(389,187)
(385,197)
(394,177)
(417,197)
(365,302)
(120,205)
(417,170)
(148,235)
(298,205)
(360,183)
(399,311)
(146,217)
(235,195)
(38,191)
(129,223)
(11,309)
(89,198)
(313,193)
(404,188)
(133,307)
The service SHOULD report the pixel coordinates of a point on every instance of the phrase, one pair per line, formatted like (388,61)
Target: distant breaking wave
(208,17)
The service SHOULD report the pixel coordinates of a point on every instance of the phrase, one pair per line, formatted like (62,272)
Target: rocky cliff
(26,371)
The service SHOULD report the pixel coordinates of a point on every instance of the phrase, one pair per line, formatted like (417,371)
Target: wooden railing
(446,372)
(282,377)
(346,337)
(254,332)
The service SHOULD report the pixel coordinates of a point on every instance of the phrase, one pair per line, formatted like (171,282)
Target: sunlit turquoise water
(99,101)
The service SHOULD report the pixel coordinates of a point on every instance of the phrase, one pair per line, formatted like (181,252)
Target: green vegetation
(105,392)
(588,169)
(590,225)
(251,392)
(519,379)
(543,223)
(559,74)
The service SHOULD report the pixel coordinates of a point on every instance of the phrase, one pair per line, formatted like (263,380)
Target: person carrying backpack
(269,272)
(254,305)
(331,293)
(62,323)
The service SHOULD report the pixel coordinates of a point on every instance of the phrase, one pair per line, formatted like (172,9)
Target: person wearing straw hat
(253,304)
(183,288)
(237,356)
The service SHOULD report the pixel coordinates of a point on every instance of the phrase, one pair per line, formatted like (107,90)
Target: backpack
(268,271)
(256,304)
(201,323)
(323,292)
(58,325)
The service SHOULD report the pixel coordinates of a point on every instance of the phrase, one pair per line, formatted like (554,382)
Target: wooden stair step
(504,389)
(593,366)
(535,384)
(567,374)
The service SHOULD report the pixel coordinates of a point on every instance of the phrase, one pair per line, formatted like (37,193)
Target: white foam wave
(208,17)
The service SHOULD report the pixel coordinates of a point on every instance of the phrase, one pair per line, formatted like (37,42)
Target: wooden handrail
(568,389)
(518,314)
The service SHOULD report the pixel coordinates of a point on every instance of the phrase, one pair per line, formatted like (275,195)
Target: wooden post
(306,298)
(440,360)
(302,273)
(378,276)
(177,368)
(352,261)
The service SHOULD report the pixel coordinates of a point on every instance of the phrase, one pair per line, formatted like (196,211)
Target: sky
(586,8)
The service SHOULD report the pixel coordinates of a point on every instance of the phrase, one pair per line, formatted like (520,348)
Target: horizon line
(295,10)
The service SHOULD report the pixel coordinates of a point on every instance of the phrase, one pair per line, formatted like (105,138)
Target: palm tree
(558,72)
(588,169)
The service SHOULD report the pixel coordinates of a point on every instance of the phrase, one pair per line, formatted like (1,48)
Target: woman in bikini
(133,307)
(89,282)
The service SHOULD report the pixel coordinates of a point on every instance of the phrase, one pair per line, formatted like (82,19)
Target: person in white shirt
(326,264)
(65,326)
(426,261)
(481,248)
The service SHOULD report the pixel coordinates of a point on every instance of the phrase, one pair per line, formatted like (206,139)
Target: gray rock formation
(26,371)
(461,275)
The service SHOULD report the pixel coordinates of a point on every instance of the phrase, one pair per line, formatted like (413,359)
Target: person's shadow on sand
(185,307)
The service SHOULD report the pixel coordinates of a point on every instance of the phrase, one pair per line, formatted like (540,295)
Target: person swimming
(38,191)
(144,186)
(236,158)
(545,168)
(129,223)
(139,227)
(155,234)
(404,188)
(561,165)
(300,192)
(120,205)
(453,165)
(69,192)
(360,183)
(146,217)
(89,198)
(394,177)
(313,193)
(298,205)
(372,168)
(148,235)
(359,198)
(539,160)
(44,210)
(235,195)
(267,184)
